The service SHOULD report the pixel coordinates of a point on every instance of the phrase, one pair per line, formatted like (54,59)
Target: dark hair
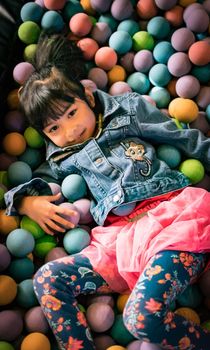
(59,67)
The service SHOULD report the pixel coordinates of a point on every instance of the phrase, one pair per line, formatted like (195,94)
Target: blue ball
(31,12)
(124,209)
(208,113)
(120,41)
(71,8)
(26,296)
(202,73)
(170,155)
(32,156)
(75,240)
(52,22)
(161,96)
(139,82)
(159,75)
(74,187)
(158,27)
(20,242)
(130,26)
(21,269)
(162,51)
(19,172)
(191,297)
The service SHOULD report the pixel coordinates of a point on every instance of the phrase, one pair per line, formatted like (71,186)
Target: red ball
(199,53)
(88,47)
(54,4)
(106,58)
(80,24)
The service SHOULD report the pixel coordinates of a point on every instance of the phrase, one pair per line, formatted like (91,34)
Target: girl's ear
(90,97)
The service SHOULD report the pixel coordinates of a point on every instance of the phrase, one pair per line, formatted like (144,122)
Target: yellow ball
(117,73)
(35,341)
(189,314)
(116,347)
(183,109)
(8,223)
(86,4)
(121,301)
(8,290)
(186,3)
(13,99)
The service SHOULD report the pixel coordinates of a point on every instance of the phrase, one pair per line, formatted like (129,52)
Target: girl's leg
(57,284)
(147,313)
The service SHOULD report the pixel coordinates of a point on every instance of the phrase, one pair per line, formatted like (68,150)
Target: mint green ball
(33,138)
(31,226)
(4,345)
(193,169)
(29,32)
(44,245)
(143,40)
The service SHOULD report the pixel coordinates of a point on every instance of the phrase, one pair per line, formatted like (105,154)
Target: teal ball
(158,27)
(161,96)
(31,12)
(159,75)
(20,242)
(110,20)
(120,41)
(75,240)
(21,269)
(163,51)
(129,25)
(120,333)
(31,156)
(202,73)
(139,82)
(19,172)
(25,294)
(190,297)
(52,22)
(70,9)
(170,155)
(208,113)
(74,187)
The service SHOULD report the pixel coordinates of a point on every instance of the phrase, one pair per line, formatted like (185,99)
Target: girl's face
(76,125)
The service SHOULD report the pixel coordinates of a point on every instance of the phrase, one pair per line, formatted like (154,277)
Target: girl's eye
(72,113)
(53,129)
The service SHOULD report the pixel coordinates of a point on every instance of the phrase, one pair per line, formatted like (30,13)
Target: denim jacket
(120,165)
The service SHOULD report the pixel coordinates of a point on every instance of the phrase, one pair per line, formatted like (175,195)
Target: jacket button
(99,160)
(116,198)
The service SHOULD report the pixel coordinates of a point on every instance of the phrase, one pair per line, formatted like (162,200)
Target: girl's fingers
(52,225)
(47,230)
(62,221)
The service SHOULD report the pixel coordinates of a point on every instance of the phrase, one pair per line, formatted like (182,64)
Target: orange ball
(171,87)
(54,4)
(89,47)
(80,24)
(175,16)
(146,9)
(186,3)
(189,314)
(121,301)
(8,289)
(116,347)
(86,4)
(117,73)
(8,223)
(106,58)
(199,53)
(183,109)
(35,341)
(13,99)
(14,143)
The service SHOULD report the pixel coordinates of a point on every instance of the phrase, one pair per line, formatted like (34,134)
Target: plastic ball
(149,346)
(119,332)
(199,53)
(98,76)
(100,317)
(175,16)
(106,58)
(74,219)
(183,109)
(54,4)
(28,32)
(74,187)
(189,314)
(159,75)
(25,294)
(83,207)
(22,71)
(139,82)
(134,345)
(11,325)
(89,84)
(162,51)
(126,61)
(14,121)
(124,209)
(35,320)
(129,25)
(29,52)
(14,143)
(198,21)
(5,257)
(33,137)
(55,253)
(116,347)
(104,299)
(160,95)
(8,223)
(89,47)
(203,97)
(158,27)
(31,226)
(187,86)
(71,8)
(101,32)
(6,160)
(80,24)
(102,342)
(182,39)
(143,40)
(170,155)
(44,245)
(31,12)
(143,61)
(19,172)
(20,242)
(110,20)
(8,289)
(179,64)
(52,22)
(21,269)
(121,9)
(120,41)
(193,169)
(100,5)
(117,73)
(208,112)
(35,341)
(118,88)
(6,346)
(165,4)
(13,99)
(32,156)
(204,283)
(190,297)
(75,240)
(121,301)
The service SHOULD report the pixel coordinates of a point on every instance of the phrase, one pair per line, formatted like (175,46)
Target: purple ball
(119,88)
(103,342)
(6,160)
(203,98)
(35,320)
(134,345)
(56,188)
(143,61)
(187,86)
(98,76)
(182,39)
(83,207)
(14,120)
(149,346)
(40,3)
(55,253)
(206,5)
(22,71)
(5,257)
(190,9)
(165,4)
(89,84)
(198,21)
(179,64)
(11,325)
(126,61)
(73,218)
(121,9)
(100,5)
(201,123)
(101,32)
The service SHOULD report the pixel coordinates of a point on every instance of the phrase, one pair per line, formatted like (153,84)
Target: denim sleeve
(157,128)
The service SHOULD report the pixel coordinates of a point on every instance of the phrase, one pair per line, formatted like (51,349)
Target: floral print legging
(147,312)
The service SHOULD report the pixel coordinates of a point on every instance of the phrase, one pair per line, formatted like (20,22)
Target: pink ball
(119,88)
(22,71)
(98,76)
(80,24)
(106,58)
(126,61)
(54,4)
(121,9)
(179,64)
(143,61)
(201,123)
(182,39)
(149,99)
(198,21)
(101,32)
(149,346)
(87,83)
(55,253)
(103,342)
(73,218)
(187,86)
(88,46)
(203,98)
(35,320)
(105,299)
(83,207)
(190,9)
(40,2)
(134,345)
(56,188)
(206,5)
(100,317)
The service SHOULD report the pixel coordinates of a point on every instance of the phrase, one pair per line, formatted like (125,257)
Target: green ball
(29,52)
(4,345)
(119,333)
(44,245)
(2,192)
(31,226)
(193,169)
(33,138)
(4,178)
(29,32)
(143,40)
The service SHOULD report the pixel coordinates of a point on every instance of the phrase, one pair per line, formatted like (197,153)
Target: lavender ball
(179,64)
(22,71)
(198,21)
(72,218)
(182,39)
(100,5)
(126,61)
(165,4)
(98,76)
(119,88)
(187,86)
(121,9)
(101,32)
(203,98)
(143,61)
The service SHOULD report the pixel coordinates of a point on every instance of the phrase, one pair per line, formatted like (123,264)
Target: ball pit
(155,47)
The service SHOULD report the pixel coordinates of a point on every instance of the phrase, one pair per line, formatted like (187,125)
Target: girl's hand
(47,214)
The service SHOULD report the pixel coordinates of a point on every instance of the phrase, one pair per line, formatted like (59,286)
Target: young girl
(161,244)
